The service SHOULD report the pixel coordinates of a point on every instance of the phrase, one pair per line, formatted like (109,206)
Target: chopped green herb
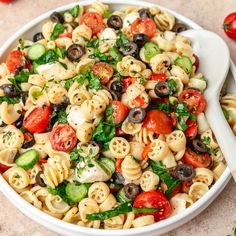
(226,113)
(9,100)
(121,209)
(160,170)
(104,132)
(107,13)
(49,56)
(94,43)
(182,123)
(99,55)
(36,94)
(181,109)
(74,155)
(21,77)
(58,29)
(166,107)
(61,52)
(122,39)
(207,142)
(115,54)
(172,86)
(74,11)
(94,81)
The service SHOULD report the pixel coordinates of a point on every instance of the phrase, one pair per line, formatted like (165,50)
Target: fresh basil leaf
(226,113)
(122,39)
(182,123)
(160,170)
(181,109)
(107,13)
(99,55)
(93,43)
(62,117)
(21,77)
(74,11)
(94,82)
(58,29)
(9,100)
(115,54)
(49,56)
(104,132)
(166,107)
(172,86)
(61,52)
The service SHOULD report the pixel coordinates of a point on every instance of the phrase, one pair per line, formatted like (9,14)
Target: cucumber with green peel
(173,100)
(36,51)
(151,50)
(121,197)
(185,63)
(108,163)
(28,159)
(76,192)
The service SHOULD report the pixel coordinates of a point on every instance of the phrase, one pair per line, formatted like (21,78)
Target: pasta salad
(102,118)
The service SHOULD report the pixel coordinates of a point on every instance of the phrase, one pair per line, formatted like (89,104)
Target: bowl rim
(23,205)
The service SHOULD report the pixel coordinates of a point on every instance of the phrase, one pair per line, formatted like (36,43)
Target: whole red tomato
(230,25)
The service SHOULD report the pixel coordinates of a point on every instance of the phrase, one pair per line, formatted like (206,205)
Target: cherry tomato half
(185,186)
(3,168)
(63,138)
(120,111)
(146,151)
(144,26)
(230,25)
(118,164)
(138,102)
(159,77)
(37,121)
(93,20)
(196,160)
(65,35)
(14,61)
(153,199)
(158,122)
(195,100)
(128,81)
(104,71)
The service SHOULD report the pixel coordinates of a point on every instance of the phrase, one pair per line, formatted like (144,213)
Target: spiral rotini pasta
(55,171)
(131,169)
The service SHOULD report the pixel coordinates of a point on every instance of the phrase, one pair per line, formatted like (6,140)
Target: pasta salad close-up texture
(102,118)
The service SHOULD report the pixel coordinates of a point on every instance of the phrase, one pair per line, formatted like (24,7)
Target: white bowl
(70,229)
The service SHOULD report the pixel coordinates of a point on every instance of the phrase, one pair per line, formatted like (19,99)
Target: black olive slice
(129,48)
(10,91)
(140,39)
(179,27)
(38,36)
(137,115)
(115,22)
(184,172)
(144,12)
(162,89)
(39,180)
(198,146)
(75,52)
(117,87)
(131,190)
(29,140)
(56,17)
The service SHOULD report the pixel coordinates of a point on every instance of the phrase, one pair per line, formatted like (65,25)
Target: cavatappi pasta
(102,118)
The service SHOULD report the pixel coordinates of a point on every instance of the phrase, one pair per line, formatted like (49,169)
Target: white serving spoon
(214,64)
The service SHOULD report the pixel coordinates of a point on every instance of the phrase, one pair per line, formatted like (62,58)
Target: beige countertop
(217,219)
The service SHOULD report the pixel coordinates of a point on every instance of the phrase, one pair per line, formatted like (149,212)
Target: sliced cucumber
(76,192)
(151,50)
(36,51)
(108,163)
(173,100)
(121,197)
(185,63)
(28,159)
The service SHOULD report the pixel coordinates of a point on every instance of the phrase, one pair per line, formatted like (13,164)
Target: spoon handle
(233,69)
(221,131)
